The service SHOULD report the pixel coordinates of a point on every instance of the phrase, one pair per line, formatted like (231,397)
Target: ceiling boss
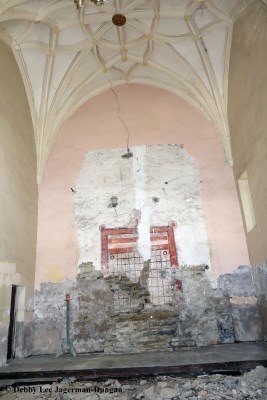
(81,3)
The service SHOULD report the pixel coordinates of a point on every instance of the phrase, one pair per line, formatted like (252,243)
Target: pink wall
(153,116)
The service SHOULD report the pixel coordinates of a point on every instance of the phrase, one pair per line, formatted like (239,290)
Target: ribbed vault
(66,57)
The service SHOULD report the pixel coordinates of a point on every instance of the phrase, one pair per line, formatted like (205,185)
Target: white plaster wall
(18,195)
(248,117)
(135,181)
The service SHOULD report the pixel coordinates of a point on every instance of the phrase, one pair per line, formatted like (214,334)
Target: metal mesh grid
(129,264)
(160,280)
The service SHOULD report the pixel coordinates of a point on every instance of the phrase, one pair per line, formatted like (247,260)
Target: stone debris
(143,382)
(251,385)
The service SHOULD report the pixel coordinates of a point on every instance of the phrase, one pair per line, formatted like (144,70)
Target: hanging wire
(120,118)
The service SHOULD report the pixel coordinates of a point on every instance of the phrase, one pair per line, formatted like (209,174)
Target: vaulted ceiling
(67,56)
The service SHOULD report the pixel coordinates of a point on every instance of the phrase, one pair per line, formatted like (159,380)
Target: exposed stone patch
(128,296)
(247,323)
(144,332)
(260,281)
(204,313)
(135,325)
(115,315)
(3,343)
(246,318)
(90,304)
(239,283)
(50,315)
(24,338)
(93,312)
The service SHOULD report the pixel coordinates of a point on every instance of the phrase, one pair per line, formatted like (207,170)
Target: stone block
(208,333)
(24,338)
(263,313)
(150,393)
(3,341)
(260,280)
(247,323)
(239,283)
(167,393)
(225,328)
(87,271)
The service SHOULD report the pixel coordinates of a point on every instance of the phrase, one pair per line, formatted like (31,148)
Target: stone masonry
(260,281)
(200,315)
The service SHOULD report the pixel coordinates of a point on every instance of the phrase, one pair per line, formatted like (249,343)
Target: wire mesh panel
(124,301)
(129,264)
(120,256)
(160,281)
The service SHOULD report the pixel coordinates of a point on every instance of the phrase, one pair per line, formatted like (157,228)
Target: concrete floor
(229,357)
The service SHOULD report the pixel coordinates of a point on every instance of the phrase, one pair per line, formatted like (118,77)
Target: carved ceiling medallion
(119,19)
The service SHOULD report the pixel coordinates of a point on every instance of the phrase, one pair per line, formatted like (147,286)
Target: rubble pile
(251,385)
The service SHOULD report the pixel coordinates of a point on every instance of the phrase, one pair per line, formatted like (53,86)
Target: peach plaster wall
(153,116)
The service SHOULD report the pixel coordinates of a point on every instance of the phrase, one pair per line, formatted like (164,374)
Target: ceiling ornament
(80,3)
(119,19)
(67,57)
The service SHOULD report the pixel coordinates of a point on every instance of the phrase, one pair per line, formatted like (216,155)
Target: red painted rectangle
(104,248)
(160,247)
(173,255)
(162,237)
(156,229)
(122,240)
(163,233)
(119,231)
(134,239)
(122,250)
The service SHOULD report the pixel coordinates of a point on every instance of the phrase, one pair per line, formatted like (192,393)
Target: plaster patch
(54,273)
(104,174)
(243,300)
(135,182)
(8,274)
(173,177)
(141,202)
(7,268)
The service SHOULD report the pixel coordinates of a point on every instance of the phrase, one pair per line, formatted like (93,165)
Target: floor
(187,361)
